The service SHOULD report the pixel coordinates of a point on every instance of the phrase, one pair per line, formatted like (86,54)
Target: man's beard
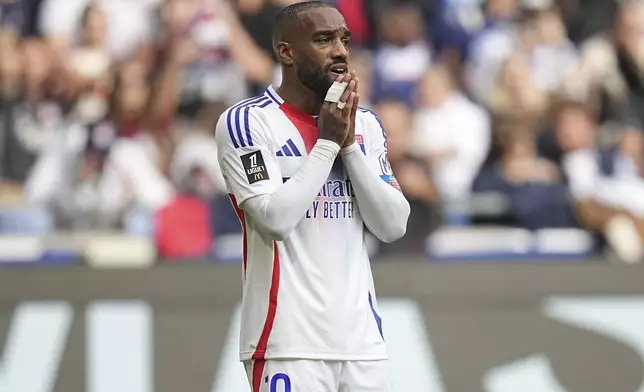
(313,78)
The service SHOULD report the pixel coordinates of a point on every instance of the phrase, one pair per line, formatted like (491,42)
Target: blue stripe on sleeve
(235,128)
(249,138)
(230,129)
(238,126)
(229,119)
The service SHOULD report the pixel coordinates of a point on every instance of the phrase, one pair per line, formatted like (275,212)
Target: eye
(323,40)
(346,41)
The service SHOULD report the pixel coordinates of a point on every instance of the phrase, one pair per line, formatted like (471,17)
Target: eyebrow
(347,32)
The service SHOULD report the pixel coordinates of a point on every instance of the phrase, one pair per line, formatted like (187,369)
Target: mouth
(339,69)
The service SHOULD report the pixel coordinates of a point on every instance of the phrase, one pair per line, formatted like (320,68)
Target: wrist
(328,144)
(353,147)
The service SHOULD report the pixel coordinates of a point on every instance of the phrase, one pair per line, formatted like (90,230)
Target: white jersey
(310,296)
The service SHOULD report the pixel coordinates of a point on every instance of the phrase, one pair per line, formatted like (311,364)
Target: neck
(299,96)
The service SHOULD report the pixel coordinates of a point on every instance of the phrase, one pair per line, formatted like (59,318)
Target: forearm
(279,212)
(383,208)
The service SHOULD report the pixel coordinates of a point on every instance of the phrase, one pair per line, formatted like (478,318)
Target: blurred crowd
(523,113)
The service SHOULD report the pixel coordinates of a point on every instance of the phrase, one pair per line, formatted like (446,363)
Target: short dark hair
(289,14)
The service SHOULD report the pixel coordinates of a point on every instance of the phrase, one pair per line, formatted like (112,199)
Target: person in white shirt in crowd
(130,23)
(606,183)
(451,133)
(553,57)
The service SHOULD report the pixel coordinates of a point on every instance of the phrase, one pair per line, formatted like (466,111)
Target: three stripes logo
(289,150)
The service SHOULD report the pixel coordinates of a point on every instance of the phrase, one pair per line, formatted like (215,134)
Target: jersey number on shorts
(275,381)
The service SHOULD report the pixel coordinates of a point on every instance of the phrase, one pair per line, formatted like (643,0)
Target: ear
(284,53)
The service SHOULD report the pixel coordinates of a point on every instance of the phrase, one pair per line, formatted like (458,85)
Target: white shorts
(318,376)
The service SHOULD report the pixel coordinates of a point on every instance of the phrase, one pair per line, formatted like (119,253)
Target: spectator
(454,23)
(37,124)
(19,16)
(412,174)
(402,55)
(610,67)
(362,63)
(451,134)
(553,58)
(90,65)
(491,46)
(183,227)
(218,76)
(606,183)
(129,23)
(514,96)
(533,186)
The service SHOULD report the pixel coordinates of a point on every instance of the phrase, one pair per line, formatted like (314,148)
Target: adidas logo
(289,150)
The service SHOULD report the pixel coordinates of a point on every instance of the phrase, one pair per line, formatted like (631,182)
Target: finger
(345,96)
(331,105)
(356,104)
(350,104)
(354,76)
(326,105)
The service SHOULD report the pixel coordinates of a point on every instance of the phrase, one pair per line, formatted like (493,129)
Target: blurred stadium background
(516,130)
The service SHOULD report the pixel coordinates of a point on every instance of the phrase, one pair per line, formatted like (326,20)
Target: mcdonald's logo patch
(254,167)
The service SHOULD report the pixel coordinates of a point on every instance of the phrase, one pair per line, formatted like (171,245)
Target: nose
(340,51)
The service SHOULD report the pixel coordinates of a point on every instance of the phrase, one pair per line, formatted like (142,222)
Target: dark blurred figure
(612,66)
(532,186)
(585,18)
(454,24)
(20,16)
(228,56)
(33,121)
(257,18)
(402,55)
(10,75)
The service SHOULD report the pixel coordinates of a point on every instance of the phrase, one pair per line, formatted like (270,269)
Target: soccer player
(308,177)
